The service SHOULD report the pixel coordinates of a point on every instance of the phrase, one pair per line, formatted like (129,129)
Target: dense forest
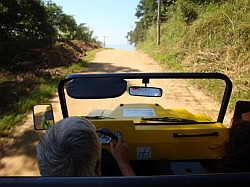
(47,21)
(198,36)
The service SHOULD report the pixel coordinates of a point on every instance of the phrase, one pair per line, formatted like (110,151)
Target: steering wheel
(106,136)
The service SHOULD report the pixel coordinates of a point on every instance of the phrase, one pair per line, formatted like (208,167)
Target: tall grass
(208,37)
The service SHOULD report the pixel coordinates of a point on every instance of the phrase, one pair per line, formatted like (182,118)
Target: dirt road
(19,158)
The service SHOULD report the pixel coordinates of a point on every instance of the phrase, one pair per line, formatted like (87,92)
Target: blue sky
(109,19)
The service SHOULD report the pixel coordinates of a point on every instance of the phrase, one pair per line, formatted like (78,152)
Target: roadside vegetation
(40,19)
(199,36)
(39,44)
(31,89)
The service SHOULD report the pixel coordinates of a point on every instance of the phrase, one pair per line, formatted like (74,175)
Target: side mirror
(43,116)
(145,91)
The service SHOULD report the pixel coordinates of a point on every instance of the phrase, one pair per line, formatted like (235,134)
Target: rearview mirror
(43,116)
(145,91)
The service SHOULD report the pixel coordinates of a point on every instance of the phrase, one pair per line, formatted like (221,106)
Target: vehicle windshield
(177,104)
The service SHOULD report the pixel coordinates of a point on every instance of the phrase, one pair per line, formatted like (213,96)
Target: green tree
(146,12)
(62,25)
(37,19)
(19,22)
(65,26)
(83,33)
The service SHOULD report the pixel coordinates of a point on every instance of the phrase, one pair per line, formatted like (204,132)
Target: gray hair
(69,148)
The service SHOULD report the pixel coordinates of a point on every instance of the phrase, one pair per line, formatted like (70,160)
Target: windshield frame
(168,75)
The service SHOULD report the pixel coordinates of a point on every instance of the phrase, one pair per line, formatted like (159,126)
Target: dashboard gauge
(104,138)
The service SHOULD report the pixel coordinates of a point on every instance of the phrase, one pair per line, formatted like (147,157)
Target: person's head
(70,148)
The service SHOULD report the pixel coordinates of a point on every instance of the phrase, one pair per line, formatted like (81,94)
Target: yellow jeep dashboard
(149,138)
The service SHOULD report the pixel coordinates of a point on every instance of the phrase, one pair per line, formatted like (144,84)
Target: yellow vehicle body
(165,137)
(163,140)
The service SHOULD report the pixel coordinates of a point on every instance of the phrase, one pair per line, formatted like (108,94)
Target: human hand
(245,116)
(120,153)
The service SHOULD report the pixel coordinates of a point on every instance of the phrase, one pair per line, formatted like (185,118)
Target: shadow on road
(106,67)
(20,146)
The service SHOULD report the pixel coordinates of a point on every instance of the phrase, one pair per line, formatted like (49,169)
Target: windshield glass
(182,100)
